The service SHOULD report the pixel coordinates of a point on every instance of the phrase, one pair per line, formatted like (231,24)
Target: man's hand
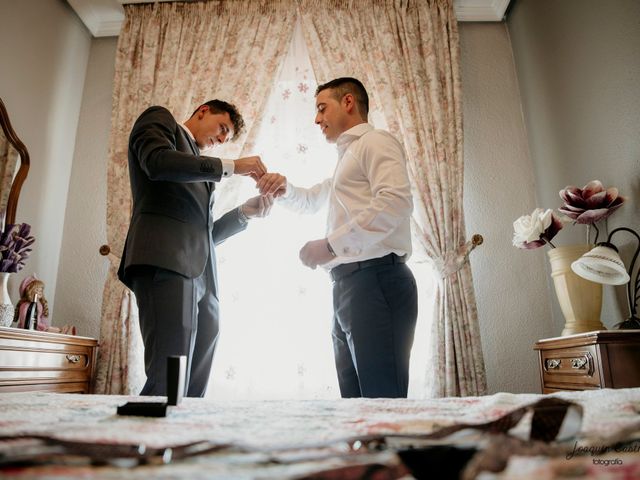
(316,252)
(259,206)
(251,166)
(272,184)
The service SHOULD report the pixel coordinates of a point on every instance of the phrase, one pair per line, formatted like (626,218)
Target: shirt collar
(347,137)
(186,129)
(193,139)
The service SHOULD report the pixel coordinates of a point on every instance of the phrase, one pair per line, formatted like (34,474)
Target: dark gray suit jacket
(172,187)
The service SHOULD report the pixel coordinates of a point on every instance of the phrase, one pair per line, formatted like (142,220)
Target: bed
(74,436)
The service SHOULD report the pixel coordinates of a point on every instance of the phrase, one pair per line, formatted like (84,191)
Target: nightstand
(591,360)
(33,361)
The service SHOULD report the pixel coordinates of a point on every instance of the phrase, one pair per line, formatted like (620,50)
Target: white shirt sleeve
(228,167)
(306,200)
(382,160)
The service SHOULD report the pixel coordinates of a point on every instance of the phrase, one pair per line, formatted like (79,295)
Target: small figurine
(32,290)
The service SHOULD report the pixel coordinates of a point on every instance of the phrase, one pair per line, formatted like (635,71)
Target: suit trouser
(178,316)
(375,313)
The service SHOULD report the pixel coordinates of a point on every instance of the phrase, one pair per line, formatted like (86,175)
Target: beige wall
(44,50)
(578,66)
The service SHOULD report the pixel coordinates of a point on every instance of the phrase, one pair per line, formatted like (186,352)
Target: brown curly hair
(220,106)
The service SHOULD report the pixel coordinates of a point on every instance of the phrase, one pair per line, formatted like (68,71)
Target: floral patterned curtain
(178,55)
(406,52)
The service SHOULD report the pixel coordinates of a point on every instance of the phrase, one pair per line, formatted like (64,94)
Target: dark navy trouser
(178,316)
(375,313)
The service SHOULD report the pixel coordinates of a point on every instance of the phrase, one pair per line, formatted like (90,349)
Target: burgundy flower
(591,203)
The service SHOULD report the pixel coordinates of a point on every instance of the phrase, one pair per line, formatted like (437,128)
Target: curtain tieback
(105,251)
(454,260)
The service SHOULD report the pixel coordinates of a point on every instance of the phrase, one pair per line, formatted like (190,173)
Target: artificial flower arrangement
(585,206)
(15,247)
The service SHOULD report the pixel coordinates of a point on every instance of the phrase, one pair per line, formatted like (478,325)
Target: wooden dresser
(46,362)
(592,360)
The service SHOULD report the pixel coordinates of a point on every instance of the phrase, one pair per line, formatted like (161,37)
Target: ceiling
(104,17)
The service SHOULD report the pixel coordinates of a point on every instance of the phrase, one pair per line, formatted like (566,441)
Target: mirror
(14,165)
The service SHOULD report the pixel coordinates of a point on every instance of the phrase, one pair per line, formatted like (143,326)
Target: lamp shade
(602,264)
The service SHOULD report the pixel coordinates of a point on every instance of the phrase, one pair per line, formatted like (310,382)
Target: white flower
(530,228)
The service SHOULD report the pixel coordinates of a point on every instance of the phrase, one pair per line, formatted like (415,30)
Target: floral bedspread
(257,428)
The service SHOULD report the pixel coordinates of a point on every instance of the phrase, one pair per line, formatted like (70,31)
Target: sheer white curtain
(276,314)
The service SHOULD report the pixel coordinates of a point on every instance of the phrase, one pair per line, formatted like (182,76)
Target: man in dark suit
(169,255)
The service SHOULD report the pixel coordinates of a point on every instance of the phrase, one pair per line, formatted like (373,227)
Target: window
(276,314)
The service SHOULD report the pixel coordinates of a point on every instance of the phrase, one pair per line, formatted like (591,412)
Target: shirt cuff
(287,192)
(345,241)
(242,217)
(228,167)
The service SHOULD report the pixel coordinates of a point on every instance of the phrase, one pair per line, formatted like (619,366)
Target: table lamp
(602,264)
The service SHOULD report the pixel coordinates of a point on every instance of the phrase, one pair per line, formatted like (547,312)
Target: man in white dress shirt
(368,241)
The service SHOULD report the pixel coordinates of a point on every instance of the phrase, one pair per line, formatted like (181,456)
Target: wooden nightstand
(46,362)
(591,360)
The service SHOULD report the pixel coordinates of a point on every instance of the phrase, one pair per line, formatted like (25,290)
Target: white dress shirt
(228,167)
(369,196)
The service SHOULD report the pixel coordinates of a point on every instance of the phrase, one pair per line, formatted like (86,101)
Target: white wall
(83,270)
(44,49)
(511,291)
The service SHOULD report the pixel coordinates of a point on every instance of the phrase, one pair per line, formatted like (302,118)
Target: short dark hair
(343,85)
(220,106)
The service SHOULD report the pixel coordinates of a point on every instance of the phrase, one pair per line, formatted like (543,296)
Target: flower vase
(6,307)
(580,300)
